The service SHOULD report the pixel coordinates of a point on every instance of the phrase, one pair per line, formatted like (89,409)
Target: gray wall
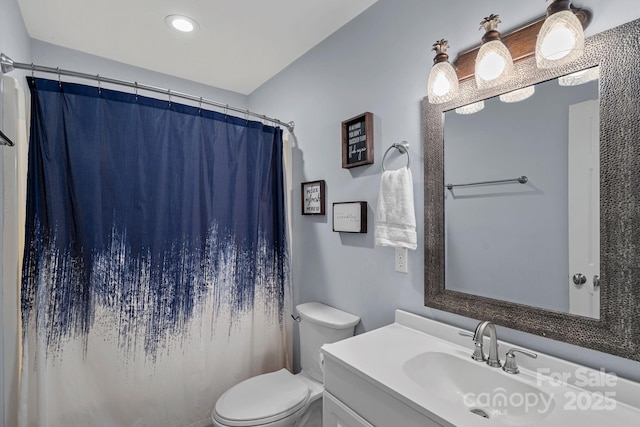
(14,39)
(379,62)
(57,56)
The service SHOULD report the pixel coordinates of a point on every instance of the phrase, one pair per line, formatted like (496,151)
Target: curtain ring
(169,92)
(33,70)
(59,79)
(200,106)
(99,85)
(136,84)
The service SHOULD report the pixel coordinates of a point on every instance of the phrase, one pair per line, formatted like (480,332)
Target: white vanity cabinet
(352,400)
(337,414)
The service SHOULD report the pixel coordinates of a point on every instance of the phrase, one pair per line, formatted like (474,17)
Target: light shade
(470,108)
(580,77)
(442,85)
(560,40)
(518,94)
(494,64)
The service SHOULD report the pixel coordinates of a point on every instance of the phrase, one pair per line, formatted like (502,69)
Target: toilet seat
(262,399)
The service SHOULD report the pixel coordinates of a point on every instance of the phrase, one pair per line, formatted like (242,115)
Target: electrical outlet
(401,260)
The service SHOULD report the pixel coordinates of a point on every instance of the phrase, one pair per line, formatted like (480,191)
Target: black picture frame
(357,141)
(313,197)
(350,217)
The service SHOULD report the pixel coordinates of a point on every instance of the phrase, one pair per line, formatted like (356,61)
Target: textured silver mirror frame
(617,331)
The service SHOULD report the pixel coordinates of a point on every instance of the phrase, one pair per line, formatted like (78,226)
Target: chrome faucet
(478,338)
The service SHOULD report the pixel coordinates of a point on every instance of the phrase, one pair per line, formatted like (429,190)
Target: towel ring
(402,147)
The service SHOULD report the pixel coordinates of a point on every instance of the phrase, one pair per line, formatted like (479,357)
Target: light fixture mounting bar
(521,43)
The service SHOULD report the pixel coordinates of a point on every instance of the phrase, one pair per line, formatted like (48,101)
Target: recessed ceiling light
(181,23)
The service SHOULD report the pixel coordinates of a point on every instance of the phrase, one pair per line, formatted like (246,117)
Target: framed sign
(350,217)
(357,141)
(313,198)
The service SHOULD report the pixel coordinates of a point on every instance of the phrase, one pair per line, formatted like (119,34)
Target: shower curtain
(156,264)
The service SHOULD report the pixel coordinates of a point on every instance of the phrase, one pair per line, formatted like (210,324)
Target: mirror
(523,239)
(617,330)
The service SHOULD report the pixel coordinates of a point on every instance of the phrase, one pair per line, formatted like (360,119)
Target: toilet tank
(319,325)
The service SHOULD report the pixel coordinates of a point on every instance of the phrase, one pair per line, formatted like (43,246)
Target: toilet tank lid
(326,316)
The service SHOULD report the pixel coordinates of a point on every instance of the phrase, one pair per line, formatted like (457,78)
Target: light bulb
(491,66)
(181,23)
(441,85)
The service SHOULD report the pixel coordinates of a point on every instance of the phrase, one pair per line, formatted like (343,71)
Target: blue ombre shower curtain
(155,266)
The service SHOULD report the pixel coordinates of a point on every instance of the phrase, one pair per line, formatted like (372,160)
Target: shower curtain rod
(9,65)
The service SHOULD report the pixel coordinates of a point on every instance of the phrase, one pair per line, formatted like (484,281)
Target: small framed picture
(313,198)
(357,141)
(350,217)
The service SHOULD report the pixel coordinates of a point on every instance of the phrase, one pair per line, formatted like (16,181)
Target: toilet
(281,399)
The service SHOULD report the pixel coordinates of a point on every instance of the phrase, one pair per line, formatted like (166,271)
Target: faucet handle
(477,347)
(510,365)
(478,354)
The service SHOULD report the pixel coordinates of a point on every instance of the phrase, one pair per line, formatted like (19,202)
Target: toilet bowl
(281,399)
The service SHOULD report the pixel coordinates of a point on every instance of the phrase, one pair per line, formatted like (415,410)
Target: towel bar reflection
(522,180)
(5,140)
(402,147)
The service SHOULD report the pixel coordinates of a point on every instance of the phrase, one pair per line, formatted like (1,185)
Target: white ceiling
(240,43)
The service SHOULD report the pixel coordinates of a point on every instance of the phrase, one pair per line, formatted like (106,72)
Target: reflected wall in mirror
(617,331)
(517,241)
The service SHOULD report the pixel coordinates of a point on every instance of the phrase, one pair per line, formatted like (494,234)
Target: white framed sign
(350,217)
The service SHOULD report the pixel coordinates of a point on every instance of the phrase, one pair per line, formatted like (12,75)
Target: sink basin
(477,388)
(418,372)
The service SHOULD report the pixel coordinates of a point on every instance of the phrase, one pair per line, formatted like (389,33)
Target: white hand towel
(395,216)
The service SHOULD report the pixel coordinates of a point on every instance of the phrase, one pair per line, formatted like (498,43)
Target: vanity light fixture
(561,38)
(494,64)
(442,85)
(181,23)
(470,108)
(580,77)
(518,94)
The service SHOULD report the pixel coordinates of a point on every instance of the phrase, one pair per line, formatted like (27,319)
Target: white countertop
(379,355)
